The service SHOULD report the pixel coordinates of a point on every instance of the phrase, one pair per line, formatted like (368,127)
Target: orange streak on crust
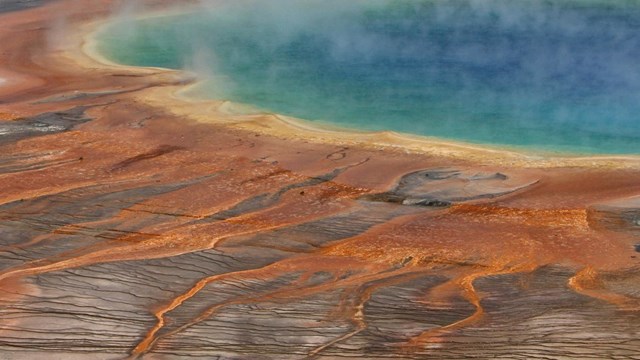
(588,282)
(469,292)
(150,338)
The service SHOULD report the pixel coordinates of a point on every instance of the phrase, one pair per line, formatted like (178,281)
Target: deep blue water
(554,75)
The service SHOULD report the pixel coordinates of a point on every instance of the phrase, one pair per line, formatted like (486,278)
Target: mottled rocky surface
(127,231)
(444,187)
(42,124)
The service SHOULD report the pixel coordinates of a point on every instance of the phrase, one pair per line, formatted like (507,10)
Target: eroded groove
(161,150)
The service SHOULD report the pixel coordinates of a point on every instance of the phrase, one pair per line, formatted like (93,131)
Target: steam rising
(557,73)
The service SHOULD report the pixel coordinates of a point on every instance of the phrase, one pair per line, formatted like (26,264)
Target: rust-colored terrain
(127,230)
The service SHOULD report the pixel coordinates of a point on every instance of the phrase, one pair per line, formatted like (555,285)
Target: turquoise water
(544,74)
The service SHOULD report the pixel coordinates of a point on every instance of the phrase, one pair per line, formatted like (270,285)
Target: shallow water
(553,75)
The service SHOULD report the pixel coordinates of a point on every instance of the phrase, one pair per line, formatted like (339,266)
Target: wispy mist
(539,70)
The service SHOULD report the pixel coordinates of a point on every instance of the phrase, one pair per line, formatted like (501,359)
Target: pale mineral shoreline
(174,99)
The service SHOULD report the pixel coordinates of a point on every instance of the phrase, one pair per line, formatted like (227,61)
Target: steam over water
(559,75)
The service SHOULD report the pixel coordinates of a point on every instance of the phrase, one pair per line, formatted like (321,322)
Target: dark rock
(429,203)
(15,5)
(43,124)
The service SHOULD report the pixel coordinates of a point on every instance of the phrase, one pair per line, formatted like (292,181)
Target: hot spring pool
(556,75)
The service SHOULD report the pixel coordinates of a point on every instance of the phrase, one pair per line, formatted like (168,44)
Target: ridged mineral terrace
(134,223)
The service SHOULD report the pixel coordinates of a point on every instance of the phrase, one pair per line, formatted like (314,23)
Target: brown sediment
(141,223)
